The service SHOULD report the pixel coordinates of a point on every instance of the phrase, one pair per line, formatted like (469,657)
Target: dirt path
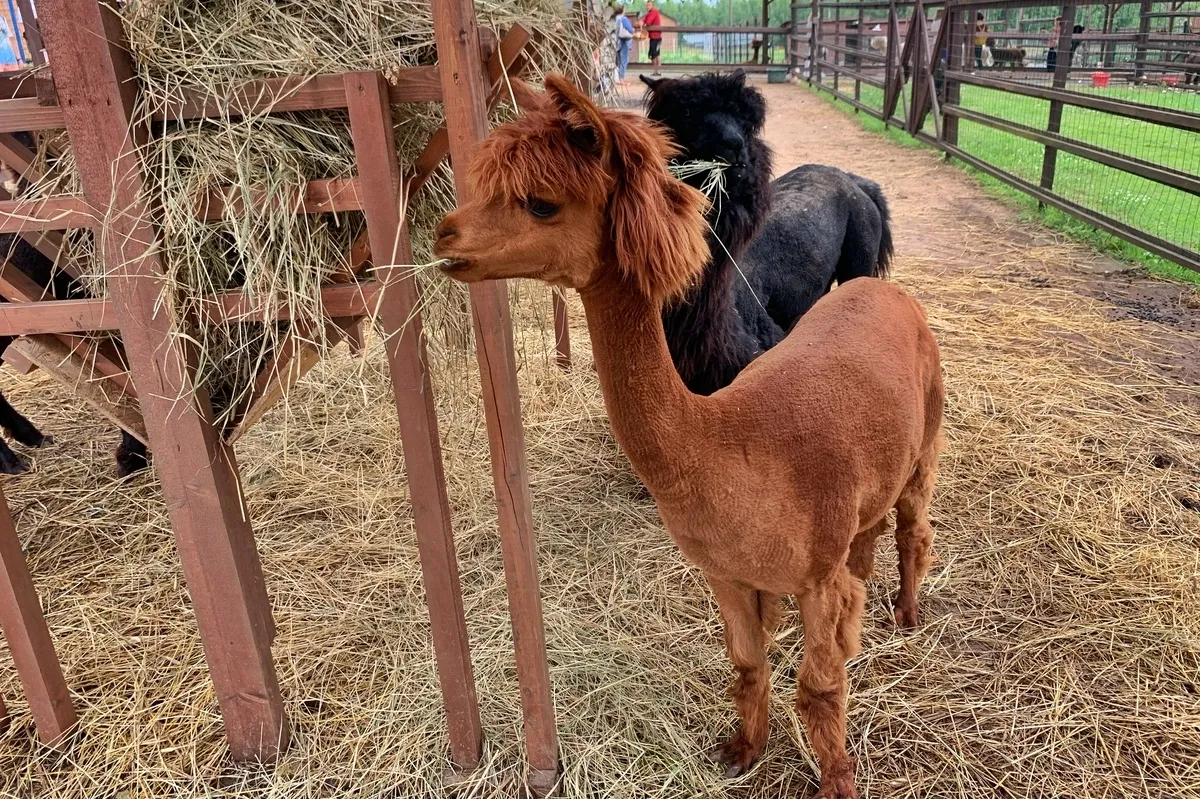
(942,216)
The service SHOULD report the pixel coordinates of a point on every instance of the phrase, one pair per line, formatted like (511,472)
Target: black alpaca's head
(712,117)
(720,118)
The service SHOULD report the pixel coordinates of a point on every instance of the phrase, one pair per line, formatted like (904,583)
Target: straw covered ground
(1060,649)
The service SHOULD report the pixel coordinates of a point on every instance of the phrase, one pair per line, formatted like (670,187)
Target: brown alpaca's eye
(542,209)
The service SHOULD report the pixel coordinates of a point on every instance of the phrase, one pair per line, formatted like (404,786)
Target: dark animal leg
(832,613)
(914,537)
(11,462)
(132,456)
(745,642)
(20,427)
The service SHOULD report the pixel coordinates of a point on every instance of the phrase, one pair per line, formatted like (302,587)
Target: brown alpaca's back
(816,442)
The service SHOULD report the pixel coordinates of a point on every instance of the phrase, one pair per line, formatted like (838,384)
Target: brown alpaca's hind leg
(832,613)
(745,641)
(914,538)
(862,550)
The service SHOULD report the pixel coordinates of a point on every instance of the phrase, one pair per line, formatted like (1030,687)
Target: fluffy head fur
(716,118)
(567,185)
(719,118)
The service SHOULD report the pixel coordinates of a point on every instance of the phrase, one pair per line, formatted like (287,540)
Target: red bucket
(1100,79)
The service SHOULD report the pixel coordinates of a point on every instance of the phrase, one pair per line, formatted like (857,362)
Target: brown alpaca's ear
(658,223)
(585,122)
(526,97)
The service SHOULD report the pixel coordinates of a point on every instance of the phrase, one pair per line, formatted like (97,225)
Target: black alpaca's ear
(585,125)
(739,76)
(652,83)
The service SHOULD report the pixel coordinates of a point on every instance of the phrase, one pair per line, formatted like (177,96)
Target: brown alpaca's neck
(655,419)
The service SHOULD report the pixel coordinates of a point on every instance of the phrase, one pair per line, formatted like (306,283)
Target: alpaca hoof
(838,783)
(132,456)
(737,755)
(14,465)
(908,616)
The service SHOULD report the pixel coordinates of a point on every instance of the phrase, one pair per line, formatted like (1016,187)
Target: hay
(277,256)
(1058,656)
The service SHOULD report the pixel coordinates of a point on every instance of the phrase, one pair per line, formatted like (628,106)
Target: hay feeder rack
(91,94)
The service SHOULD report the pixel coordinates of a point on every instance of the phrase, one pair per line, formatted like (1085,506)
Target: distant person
(1052,38)
(653,19)
(981,32)
(624,43)
(8,59)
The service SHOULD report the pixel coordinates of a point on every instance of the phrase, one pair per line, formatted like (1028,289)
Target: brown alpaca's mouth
(450,265)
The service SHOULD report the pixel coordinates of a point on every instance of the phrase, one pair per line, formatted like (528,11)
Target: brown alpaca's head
(569,192)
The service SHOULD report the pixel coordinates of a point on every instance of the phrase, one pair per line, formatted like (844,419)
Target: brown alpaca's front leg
(832,613)
(745,641)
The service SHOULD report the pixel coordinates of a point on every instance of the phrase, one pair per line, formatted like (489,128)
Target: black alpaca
(776,247)
(17,253)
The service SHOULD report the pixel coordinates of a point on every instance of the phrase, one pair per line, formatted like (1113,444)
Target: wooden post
(1106,47)
(816,46)
(889,67)
(95,83)
(917,32)
(29,639)
(858,60)
(1062,67)
(1139,53)
(379,183)
(466,121)
(793,39)
(960,25)
(562,330)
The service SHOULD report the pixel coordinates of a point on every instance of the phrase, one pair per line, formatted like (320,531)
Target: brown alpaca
(779,483)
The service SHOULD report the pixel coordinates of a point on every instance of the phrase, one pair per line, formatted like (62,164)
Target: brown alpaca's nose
(446,229)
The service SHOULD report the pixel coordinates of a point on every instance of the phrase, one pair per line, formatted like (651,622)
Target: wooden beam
(28,316)
(379,173)
(18,362)
(96,86)
(79,374)
(317,197)
(465,100)
(52,213)
(294,359)
(17,84)
(27,113)
(29,639)
(54,316)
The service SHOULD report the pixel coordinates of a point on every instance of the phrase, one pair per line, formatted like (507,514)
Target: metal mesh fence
(1093,108)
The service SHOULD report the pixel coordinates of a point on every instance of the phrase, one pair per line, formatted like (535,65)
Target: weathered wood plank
(197,470)
(375,151)
(80,374)
(29,639)
(51,213)
(465,100)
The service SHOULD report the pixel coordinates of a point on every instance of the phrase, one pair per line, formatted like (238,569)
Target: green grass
(1164,211)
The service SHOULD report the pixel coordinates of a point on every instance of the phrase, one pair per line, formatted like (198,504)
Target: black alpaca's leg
(132,456)
(11,462)
(20,427)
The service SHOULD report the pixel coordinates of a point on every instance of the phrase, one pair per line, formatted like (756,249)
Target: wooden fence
(687,47)
(920,67)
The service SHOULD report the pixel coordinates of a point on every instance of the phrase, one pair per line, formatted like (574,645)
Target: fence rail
(1109,132)
(690,47)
